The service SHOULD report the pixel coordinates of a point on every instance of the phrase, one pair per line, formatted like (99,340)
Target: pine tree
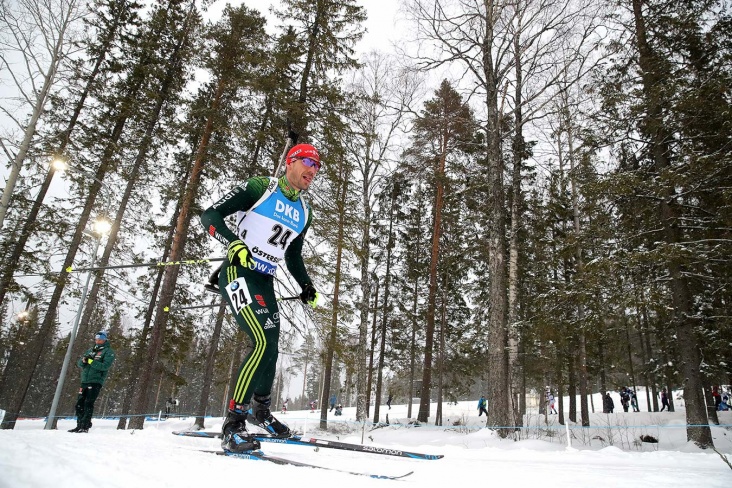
(232,63)
(443,131)
(665,175)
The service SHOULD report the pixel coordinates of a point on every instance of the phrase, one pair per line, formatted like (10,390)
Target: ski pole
(281,299)
(184,262)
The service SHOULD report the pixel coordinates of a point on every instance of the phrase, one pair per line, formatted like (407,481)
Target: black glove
(309,295)
(293,136)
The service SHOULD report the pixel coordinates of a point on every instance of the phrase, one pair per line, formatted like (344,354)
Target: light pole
(101,227)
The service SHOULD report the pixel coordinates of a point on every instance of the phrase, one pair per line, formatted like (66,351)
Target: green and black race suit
(272,219)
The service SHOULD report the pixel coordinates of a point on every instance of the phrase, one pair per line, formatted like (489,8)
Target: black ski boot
(261,416)
(83,429)
(235,437)
(75,429)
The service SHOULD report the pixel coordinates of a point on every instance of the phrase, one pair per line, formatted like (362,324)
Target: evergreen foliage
(615,150)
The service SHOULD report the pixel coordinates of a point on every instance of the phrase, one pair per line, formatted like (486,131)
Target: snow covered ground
(607,455)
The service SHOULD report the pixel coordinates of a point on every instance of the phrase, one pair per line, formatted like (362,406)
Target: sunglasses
(310,163)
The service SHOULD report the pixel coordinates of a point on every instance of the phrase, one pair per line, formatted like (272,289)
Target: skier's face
(301,175)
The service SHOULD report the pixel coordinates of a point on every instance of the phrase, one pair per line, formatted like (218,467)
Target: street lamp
(101,227)
(23,318)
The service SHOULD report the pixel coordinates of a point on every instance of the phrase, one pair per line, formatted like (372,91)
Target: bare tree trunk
(305,382)
(441,353)
(572,387)
(424,403)
(649,351)
(629,345)
(601,358)
(364,372)
(363,390)
(413,349)
(385,308)
(208,372)
(371,351)
(330,348)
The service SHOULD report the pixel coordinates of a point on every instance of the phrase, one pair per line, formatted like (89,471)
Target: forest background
(520,193)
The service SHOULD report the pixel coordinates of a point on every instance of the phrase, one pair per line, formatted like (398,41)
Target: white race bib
(238,294)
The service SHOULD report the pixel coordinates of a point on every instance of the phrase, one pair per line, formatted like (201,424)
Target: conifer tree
(444,130)
(667,176)
(234,42)
(177,23)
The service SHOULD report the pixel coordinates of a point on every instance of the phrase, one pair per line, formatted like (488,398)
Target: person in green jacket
(272,219)
(94,364)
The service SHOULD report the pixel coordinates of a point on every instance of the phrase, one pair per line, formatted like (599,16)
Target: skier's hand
(293,136)
(238,253)
(309,295)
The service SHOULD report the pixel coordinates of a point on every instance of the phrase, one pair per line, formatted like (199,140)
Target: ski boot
(235,437)
(261,416)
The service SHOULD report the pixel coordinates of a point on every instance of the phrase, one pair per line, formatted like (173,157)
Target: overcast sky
(380,26)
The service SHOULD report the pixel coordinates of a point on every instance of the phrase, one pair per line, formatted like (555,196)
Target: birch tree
(116,16)
(36,38)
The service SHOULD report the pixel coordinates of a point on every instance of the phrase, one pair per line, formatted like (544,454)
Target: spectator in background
(388,402)
(551,403)
(608,405)
(717,397)
(724,404)
(482,405)
(664,400)
(625,398)
(333,399)
(634,401)
(94,364)
(169,406)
